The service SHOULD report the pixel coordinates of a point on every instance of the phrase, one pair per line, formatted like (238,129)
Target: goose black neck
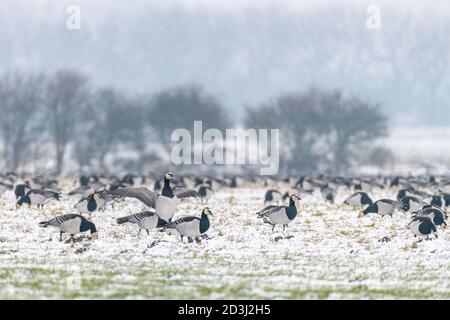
(291,202)
(167,189)
(204,223)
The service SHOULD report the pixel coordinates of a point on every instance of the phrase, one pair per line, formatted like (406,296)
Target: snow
(333,254)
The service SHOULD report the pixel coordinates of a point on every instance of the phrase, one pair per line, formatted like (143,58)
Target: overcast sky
(244,52)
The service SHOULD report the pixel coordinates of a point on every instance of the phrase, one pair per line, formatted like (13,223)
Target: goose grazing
(91,203)
(411,204)
(272,195)
(328,194)
(437,215)
(383,207)
(165,204)
(21,190)
(359,200)
(146,220)
(422,227)
(37,197)
(190,226)
(71,224)
(282,215)
(205,192)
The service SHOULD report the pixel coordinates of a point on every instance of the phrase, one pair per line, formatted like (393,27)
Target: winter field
(333,254)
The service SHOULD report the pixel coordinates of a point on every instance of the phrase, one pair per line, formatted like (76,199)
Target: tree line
(50,120)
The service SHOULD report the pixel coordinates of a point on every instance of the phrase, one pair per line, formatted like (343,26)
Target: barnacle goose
(37,197)
(282,215)
(359,199)
(72,224)
(411,204)
(190,226)
(92,203)
(22,189)
(146,220)
(436,214)
(272,195)
(383,207)
(422,227)
(165,204)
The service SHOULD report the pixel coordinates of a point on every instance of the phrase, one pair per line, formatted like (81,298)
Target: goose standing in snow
(71,224)
(422,227)
(437,215)
(272,195)
(411,204)
(282,215)
(383,207)
(22,189)
(205,192)
(37,197)
(190,226)
(165,204)
(359,200)
(146,220)
(91,203)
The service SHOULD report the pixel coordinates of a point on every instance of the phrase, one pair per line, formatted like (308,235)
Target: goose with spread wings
(165,204)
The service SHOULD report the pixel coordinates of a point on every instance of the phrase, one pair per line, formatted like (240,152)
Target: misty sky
(244,52)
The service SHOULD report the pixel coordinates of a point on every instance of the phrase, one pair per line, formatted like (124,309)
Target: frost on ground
(333,254)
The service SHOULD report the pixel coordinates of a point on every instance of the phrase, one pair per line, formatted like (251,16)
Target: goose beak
(94,236)
(360,215)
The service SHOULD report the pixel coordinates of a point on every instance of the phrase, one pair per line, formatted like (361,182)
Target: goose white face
(295,197)
(207,211)
(96,196)
(168,175)
(94,235)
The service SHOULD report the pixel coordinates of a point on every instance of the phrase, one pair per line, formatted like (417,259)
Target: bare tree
(66,93)
(21,119)
(180,107)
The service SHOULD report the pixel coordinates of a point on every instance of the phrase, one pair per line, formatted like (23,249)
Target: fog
(244,52)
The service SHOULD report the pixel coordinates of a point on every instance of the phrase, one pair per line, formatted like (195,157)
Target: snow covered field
(333,254)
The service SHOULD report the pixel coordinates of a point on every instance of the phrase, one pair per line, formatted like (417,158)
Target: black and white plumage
(190,226)
(38,198)
(282,215)
(91,203)
(146,220)
(436,214)
(71,224)
(328,194)
(359,200)
(411,204)
(272,195)
(21,190)
(205,192)
(165,204)
(384,207)
(422,227)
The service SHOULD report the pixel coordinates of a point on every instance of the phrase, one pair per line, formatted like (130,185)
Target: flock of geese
(426,199)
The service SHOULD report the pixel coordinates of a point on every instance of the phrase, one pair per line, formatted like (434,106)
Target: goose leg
(60,235)
(273,227)
(148,233)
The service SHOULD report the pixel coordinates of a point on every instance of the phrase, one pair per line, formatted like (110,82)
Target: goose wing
(269,210)
(57,221)
(142,194)
(182,192)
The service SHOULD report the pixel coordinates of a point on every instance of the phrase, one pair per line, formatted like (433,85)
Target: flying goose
(283,215)
(165,204)
(72,224)
(190,226)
